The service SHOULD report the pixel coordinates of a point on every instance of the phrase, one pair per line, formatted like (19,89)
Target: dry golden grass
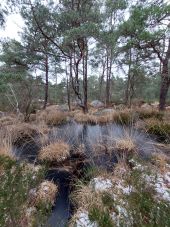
(52,117)
(85,197)
(160,160)
(85,118)
(5,121)
(6,145)
(22,131)
(58,151)
(121,169)
(125,144)
(46,194)
(32,117)
(121,117)
(55,118)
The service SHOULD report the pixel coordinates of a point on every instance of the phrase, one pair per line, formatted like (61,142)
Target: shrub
(143,209)
(15,184)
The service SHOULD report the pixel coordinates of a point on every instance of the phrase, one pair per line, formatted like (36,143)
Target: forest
(85,113)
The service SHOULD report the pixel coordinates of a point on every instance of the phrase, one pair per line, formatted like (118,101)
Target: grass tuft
(54,152)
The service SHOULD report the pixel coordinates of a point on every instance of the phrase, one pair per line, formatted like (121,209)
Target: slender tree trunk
(165,80)
(108,76)
(163,94)
(128,86)
(85,84)
(101,80)
(165,83)
(46,82)
(107,79)
(68,85)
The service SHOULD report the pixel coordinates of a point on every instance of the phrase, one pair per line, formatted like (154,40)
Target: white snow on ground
(83,220)
(160,182)
(101,184)
(162,186)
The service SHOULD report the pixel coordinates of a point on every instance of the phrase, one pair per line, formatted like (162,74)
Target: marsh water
(84,138)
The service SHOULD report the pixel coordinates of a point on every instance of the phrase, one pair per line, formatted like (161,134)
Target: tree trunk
(163,94)
(165,83)
(165,80)
(46,82)
(107,79)
(68,84)
(85,109)
(101,80)
(128,86)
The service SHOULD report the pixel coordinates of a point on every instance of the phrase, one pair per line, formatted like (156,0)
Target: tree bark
(165,80)
(107,79)
(128,86)
(85,84)
(102,79)
(165,83)
(46,82)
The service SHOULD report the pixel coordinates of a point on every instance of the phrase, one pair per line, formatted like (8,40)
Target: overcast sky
(14,24)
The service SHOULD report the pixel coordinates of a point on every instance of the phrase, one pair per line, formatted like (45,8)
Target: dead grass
(52,117)
(87,198)
(6,145)
(159,128)
(58,151)
(149,113)
(22,132)
(46,194)
(160,160)
(121,117)
(121,169)
(5,121)
(85,118)
(125,144)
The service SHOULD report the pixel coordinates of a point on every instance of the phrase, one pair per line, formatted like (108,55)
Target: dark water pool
(61,211)
(87,137)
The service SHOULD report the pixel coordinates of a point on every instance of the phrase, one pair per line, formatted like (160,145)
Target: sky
(13,26)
